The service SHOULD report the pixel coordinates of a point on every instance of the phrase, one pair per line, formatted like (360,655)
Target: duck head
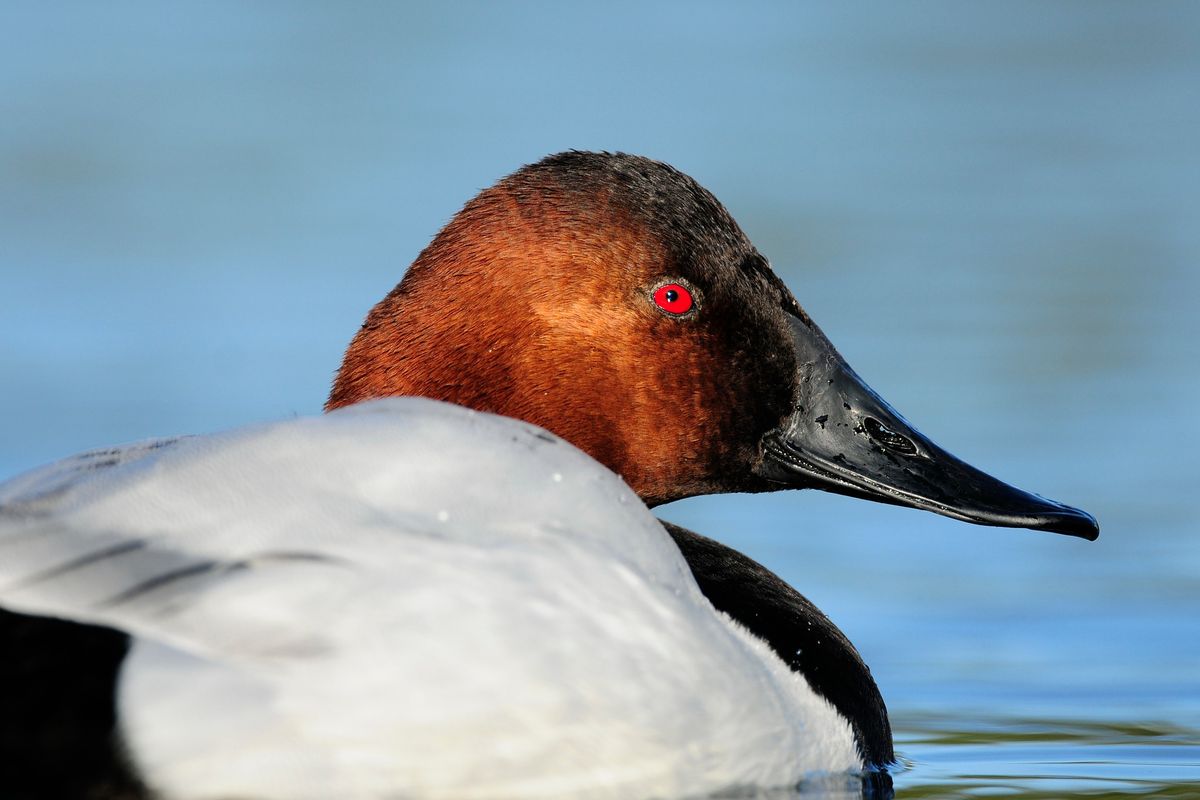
(611,299)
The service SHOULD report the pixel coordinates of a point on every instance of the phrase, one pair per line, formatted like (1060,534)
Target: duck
(451,584)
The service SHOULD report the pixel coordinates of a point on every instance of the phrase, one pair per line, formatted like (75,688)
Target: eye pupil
(674,299)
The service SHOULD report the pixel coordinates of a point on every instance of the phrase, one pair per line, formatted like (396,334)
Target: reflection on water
(991,209)
(1026,759)
(1047,758)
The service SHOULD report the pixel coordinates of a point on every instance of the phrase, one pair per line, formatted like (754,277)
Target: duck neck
(474,328)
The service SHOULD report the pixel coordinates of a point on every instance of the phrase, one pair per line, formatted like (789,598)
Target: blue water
(992,209)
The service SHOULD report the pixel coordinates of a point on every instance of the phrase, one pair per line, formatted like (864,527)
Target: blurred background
(992,209)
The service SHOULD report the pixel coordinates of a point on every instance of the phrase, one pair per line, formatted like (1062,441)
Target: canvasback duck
(408,597)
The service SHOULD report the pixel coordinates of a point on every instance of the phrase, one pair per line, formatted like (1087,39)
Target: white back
(404,598)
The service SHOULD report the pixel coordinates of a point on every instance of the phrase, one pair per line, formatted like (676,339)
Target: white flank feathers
(404,599)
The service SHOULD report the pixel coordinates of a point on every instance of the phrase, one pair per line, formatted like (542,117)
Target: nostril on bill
(897,443)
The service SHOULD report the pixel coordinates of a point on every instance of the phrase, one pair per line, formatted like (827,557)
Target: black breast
(797,631)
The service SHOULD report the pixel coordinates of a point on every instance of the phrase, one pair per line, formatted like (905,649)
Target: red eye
(673,298)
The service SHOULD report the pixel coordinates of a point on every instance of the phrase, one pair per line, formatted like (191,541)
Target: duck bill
(843,438)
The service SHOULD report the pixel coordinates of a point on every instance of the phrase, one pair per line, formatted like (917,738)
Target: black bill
(844,438)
